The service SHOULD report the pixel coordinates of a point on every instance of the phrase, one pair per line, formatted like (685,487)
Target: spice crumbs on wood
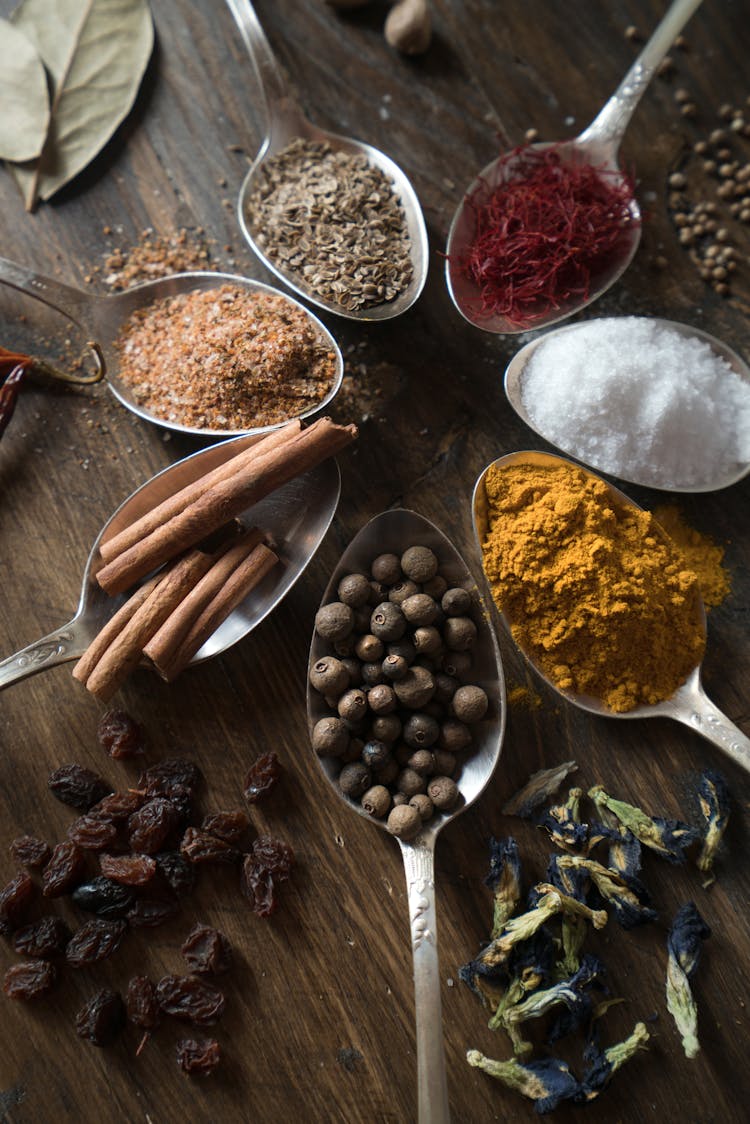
(225,358)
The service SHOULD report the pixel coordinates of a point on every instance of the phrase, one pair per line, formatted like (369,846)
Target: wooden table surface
(319,1024)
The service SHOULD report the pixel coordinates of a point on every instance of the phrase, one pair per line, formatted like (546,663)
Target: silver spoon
(514,389)
(689,704)
(394,531)
(102,319)
(285,122)
(296,515)
(598,145)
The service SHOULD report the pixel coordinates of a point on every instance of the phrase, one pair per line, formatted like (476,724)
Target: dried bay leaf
(25,101)
(96,52)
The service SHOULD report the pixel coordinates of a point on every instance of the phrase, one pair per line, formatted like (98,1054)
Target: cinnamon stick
(112,628)
(164,644)
(124,652)
(148,522)
(245,577)
(224,501)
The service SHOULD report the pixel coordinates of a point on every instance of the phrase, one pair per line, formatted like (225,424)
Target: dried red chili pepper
(13,367)
(9,392)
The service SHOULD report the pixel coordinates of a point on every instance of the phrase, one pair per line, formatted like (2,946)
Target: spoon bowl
(689,704)
(598,145)
(102,318)
(296,516)
(393,531)
(286,122)
(514,389)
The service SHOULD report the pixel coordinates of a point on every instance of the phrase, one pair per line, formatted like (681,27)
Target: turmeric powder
(595,593)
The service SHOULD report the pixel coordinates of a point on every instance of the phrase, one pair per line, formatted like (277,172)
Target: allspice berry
(329,676)
(419,609)
(375,754)
(381,699)
(404,821)
(394,667)
(416,688)
(409,781)
(388,622)
(427,640)
(445,687)
(456,664)
(469,704)
(386,569)
(353,704)
(419,563)
(445,762)
(334,621)
(403,648)
(386,727)
(459,633)
(423,805)
(443,792)
(372,674)
(354,590)
(422,762)
(402,591)
(454,736)
(330,737)
(421,731)
(456,602)
(376,801)
(369,648)
(354,780)
(435,587)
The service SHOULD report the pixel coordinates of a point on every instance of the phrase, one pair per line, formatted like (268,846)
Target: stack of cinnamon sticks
(199,564)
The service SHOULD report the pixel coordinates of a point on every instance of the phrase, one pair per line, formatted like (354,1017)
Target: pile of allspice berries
(396,681)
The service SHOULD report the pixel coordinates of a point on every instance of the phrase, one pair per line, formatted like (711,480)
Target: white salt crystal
(640,401)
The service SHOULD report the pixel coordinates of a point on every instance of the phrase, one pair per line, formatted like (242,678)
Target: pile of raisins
(148,843)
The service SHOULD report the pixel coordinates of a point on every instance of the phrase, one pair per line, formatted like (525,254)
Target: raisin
(141,1003)
(270,862)
(92,833)
(79,787)
(177,872)
(186,997)
(277,857)
(27,850)
(198,1057)
(175,769)
(131,870)
(118,806)
(229,826)
(64,871)
(44,938)
(15,899)
(147,913)
(200,847)
(262,777)
(102,1019)
(150,826)
(207,950)
(103,897)
(32,979)
(94,941)
(179,795)
(120,734)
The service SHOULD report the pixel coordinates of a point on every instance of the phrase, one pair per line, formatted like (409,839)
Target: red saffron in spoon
(543,233)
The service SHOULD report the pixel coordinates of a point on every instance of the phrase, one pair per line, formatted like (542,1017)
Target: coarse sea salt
(636,399)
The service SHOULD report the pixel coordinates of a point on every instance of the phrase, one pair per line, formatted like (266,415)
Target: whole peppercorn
(353,704)
(409,781)
(420,609)
(445,687)
(469,704)
(403,648)
(421,731)
(386,569)
(372,673)
(443,792)
(375,754)
(386,727)
(381,699)
(419,563)
(394,667)
(427,640)
(388,622)
(445,762)
(402,591)
(354,780)
(459,633)
(369,648)
(422,803)
(454,736)
(354,590)
(330,737)
(404,822)
(329,676)
(416,688)
(422,762)
(376,801)
(435,587)
(334,621)
(456,602)
(456,664)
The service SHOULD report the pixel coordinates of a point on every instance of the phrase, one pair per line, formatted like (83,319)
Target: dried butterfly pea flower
(504,879)
(684,948)
(571,992)
(563,823)
(538,788)
(628,897)
(603,1064)
(574,882)
(668,838)
(546,1082)
(625,852)
(713,800)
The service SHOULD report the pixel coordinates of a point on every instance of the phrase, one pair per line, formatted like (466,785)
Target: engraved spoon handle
(280,104)
(66,643)
(608,127)
(692,706)
(419,866)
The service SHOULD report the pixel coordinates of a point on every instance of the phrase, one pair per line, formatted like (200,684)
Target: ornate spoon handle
(64,644)
(419,866)
(691,705)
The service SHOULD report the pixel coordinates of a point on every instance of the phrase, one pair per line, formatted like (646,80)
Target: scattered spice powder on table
(335,220)
(225,358)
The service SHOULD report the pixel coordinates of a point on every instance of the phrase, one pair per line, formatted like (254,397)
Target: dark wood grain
(319,1023)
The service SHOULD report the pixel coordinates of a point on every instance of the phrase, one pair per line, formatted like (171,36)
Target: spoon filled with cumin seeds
(334,218)
(204,353)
